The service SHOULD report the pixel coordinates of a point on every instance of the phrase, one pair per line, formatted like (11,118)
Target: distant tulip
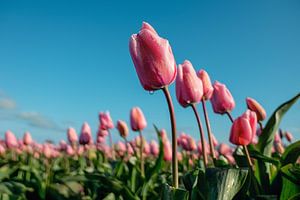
(137,119)
(72,135)
(179,156)
(279,147)
(257,108)
(230,158)
(154,148)
(153,58)
(10,140)
(189,87)
(207,86)
(224,149)
(2,149)
(146,149)
(70,151)
(123,129)
(47,151)
(288,136)
(63,145)
(221,100)
(277,138)
(243,129)
(163,135)
(86,134)
(167,151)
(106,122)
(27,140)
(192,144)
(214,140)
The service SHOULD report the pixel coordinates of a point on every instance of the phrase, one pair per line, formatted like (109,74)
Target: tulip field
(259,160)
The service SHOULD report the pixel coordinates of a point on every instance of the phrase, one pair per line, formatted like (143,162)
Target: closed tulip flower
(106,122)
(86,134)
(243,129)
(153,58)
(207,86)
(222,100)
(257,108)
(137,119)
(72,135)
(289,137)
(154,148)
(189,89)
(10,140)
(123,129)
(27,140)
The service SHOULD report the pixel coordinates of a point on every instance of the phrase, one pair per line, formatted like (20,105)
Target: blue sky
(61,62)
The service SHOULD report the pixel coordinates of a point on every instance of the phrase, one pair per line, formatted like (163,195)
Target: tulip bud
(27,140)
(224,149)
(62,145)
(288,136)
(2,149)
(207,87)
(189,87)
(123,129)
(257,108)
(72,135)
(137,119)
(105,121)
(243,129)
(167,151)
(10,140)
(153,58)
(154,148)
(70,151)
(85,135)
(222,100)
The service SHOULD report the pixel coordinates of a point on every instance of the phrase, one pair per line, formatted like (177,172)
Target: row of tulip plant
(262,161)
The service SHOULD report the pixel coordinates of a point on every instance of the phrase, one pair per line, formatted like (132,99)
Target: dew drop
(151,92)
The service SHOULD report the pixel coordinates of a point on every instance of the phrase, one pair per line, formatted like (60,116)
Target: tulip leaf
(266,138)
(223,184)
(291,154)
(171,193)
(289,189)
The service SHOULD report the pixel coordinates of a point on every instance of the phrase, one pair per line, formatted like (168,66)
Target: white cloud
(7,103)
(36,119)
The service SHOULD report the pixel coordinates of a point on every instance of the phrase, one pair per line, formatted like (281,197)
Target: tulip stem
(111,145)
(201,135)
(248,156)
(212,151)
(230,116)
(174,138)
(141,154)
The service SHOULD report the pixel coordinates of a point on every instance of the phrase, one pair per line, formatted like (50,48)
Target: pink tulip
(47,151)
(72,135)
(106,122)
(10,140)
(189,89)
(279,147)
(207,86)
(222,100)
(146,149)
(120,148)
(2,149)
(154,148)
(153,58)
(257,108)
(137,119)
(230,158)
(102,133)
(27,140)
(163,135)
(63,145)
(70,151)
(179,156)
(192,144)
(277,138)
(243,129)
(214,140)
(289,137)
(123,129)
(224,149)
(130,149)
(167,151)
(199,147)
(100,139)
(86,134)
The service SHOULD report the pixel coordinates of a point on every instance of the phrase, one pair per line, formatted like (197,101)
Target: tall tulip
(156,68)
(86,134)
(189,91)
(10,140)
(72,136)
(253,105)
(27,140)
(122,128)
(106,123)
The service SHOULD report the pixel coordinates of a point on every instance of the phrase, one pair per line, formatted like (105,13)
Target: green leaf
(289,189)
(170,193)
(291,154)
(266,139)
(223,184)
(159,161)
(291,172)
(189,179)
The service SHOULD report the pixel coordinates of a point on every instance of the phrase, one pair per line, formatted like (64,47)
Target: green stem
(174,138)
(141,154)
(212,150)
(111,145)
(201,134)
